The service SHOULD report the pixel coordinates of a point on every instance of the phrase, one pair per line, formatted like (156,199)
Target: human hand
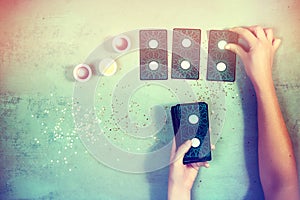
(258,57)
(182,177)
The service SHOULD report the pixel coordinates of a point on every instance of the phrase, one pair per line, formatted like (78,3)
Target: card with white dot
(191,122)
(186,53)
(153,55)
(221,63)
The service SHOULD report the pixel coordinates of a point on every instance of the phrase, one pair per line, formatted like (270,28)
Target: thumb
(276,44)
(236,49)
(183,149)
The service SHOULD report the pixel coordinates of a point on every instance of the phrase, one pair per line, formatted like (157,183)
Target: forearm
(277,164)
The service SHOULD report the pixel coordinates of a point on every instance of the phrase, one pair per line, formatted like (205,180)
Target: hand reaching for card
(258,58)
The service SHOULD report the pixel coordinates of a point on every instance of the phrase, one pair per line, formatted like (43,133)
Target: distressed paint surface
(42,156)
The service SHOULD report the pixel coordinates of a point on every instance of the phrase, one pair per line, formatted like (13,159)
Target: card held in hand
(221,63)
(153,55)
(191,122)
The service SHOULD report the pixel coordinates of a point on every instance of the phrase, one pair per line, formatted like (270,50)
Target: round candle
(82,72)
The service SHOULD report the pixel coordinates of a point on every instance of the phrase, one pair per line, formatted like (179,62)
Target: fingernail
(206,165)
(227,46)
(213,147)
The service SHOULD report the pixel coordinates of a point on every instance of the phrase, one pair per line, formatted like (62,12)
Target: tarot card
(191,122)
(186,53)
(221,63)
(153,55)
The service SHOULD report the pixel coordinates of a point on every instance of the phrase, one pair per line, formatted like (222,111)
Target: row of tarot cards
(186,45)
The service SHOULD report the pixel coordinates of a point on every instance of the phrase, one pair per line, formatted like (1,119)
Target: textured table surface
(42,156)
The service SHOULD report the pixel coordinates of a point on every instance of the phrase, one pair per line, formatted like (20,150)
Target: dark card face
(191,122)
(153,55)
(186,53)
(221,63)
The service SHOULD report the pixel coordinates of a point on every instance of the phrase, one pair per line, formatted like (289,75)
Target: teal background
(41,154)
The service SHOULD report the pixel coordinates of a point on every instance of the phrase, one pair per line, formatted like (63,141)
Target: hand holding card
(191,122)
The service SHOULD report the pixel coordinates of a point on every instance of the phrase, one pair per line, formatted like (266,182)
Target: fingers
(258,31)
(200,164)
(206,164)
(269,34)
(276,44)
(252,33)
(236,49)
(246,34)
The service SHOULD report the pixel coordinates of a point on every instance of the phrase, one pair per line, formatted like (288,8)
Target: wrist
(178,192)
(263,86)
(264,89)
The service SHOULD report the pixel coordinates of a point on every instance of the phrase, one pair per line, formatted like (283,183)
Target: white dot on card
(222,44)
(195,142)
(153,44)
(185,64)
(153,65)
(193,119)
(186,42)
(221,66)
